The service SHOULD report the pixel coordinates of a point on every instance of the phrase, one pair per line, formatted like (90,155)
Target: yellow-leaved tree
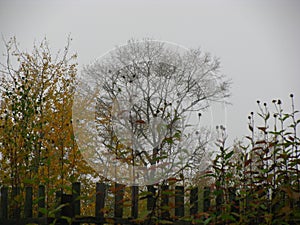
(37,145)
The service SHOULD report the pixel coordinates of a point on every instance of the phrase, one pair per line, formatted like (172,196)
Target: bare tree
(145,99)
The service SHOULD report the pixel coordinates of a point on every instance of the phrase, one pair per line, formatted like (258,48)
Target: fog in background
(257,41)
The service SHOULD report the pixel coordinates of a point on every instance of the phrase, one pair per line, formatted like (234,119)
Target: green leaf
(229,155)
(144,214)
(177,135)
(43,210)
(168,140)
(207,221)
(227,217)
(52,212)
(165,222)
(250,128)
(69,219)
(267,116)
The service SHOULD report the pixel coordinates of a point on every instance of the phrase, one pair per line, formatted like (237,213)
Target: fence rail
(71,206)
(186,208)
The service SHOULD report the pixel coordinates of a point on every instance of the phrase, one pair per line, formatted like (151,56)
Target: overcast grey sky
(257,41)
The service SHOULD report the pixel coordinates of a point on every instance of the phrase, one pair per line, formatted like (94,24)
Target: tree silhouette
(143,101)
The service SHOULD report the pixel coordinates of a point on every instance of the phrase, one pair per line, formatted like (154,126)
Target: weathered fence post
(134,201)
(119,194)
(100,201)
(16,204)
(219,201)
(179,201)
(4,203)
(151,198)
(28,202)
(165,214)
(206,199)
(58,195)
(67,210)
(76,200)
(233,200)
(194,201)
(41,200)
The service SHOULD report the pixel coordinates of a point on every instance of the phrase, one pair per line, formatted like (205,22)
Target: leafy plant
(258,182)
(37,145)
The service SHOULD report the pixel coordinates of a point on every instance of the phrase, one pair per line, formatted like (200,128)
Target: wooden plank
(134,201)
(165,195)
(41,200)
(58,196)
(194,201)
(4,203)
(151,198)
(83,220)
(16,204)
(26,221)
(100,200)
(206,199)
(119,195)
(28,202)
(76,198)
(67,210)
(94,220)
(219,201)
(233,200)
(179,201)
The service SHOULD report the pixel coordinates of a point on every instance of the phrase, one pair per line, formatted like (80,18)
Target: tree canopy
(37,145)
(146,97)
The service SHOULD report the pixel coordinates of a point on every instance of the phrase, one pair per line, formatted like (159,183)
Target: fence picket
(41,200)
(179,201)
(28,202)
(16,204)
(119,194)
(76,198)
(151,197)
(4,203)
(100,200)
(134,202)
(194,201)
(206,199)
(165,202)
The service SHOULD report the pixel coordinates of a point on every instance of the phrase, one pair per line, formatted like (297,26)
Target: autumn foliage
(256,181)
(37,145)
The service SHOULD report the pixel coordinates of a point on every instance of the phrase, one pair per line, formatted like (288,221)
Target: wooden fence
(69,213)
